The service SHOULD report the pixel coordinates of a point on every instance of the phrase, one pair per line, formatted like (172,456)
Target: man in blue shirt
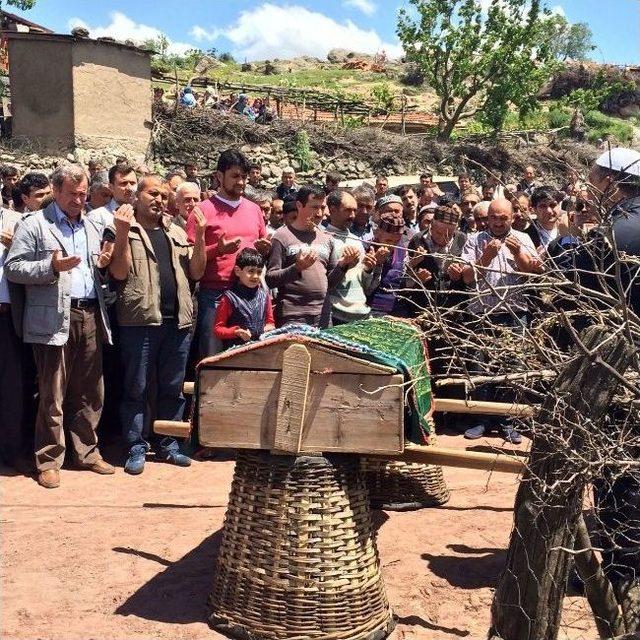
(56,253)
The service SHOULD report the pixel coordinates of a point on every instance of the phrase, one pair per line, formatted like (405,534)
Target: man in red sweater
(233,223)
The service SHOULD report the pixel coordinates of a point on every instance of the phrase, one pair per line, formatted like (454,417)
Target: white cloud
(199,33)
(557,10)
(123,28)
(267,32)
(367,7)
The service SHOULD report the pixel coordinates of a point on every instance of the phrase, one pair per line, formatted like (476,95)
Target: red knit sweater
(244,222)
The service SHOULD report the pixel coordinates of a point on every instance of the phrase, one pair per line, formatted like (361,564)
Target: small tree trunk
(528,601)
(628,594)
(445,129)
(598,589)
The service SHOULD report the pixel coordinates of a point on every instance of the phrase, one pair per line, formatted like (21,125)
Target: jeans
(492,392)
(208,344)
(162,350)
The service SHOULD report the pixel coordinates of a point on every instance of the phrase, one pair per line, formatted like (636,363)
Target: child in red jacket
(244,312)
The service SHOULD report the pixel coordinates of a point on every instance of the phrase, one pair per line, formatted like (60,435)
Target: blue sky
(269,29)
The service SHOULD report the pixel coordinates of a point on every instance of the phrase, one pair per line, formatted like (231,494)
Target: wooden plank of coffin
(294,384)
(269,357)
(344,412)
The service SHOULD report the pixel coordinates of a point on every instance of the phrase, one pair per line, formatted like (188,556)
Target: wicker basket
(298,557)
(404,486)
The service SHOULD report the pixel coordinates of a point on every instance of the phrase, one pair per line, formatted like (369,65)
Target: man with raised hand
(154,265)
(57,254)
(305,264)
(232,223)
(495,260)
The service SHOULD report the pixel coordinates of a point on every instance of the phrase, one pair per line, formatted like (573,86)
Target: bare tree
(578,361)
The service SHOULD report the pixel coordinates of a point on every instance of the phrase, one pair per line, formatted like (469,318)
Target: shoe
(49,479)
(473,433)
(135,462)
(510,434)
(101,467)
(174,457)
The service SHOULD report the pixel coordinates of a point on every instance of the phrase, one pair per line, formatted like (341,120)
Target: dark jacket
(441,290)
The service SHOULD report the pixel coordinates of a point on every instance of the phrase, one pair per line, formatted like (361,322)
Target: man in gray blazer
(57,254)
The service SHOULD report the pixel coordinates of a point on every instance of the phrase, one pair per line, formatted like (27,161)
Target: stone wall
(27,159)
(272,158)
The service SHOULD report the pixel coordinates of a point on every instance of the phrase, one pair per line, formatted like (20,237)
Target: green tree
(383,99)
(479,63)
(23,5)
(573,41)
(159,45)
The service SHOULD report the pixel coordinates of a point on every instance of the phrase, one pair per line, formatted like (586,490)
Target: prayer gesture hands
(6,237)
(513,244)
(122,218)
(305,259)
(104,258)
(491,250)
(455,271)
(228,246)
(263,246)
(201,221)
(417,257)
(369,260)
(350,257)
(375,257)
(61,263)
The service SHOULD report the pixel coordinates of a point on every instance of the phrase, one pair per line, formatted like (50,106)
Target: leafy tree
(573,41)
(159,45)
(23,5)
(601,90)
(383,99)
(479,63)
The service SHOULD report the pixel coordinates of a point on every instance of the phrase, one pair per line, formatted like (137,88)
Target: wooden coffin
(299,396)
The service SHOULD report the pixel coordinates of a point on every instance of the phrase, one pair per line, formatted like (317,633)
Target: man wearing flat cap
(384,258)
(432,272)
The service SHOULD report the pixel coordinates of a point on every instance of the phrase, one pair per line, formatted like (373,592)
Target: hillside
(344,73)
(383,84)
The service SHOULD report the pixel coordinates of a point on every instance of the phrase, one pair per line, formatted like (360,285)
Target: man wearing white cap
(616,175)
(615,182)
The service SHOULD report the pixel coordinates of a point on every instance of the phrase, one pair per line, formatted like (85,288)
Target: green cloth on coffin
(398,344)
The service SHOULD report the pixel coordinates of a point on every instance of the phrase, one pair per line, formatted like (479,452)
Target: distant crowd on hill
(259,110)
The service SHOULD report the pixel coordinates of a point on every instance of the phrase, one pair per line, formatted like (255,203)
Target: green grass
(602,126)
(329,79)
(553,116)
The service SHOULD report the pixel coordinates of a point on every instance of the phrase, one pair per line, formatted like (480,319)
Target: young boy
(245,310)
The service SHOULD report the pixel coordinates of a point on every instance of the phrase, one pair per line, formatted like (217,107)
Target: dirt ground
(121,557)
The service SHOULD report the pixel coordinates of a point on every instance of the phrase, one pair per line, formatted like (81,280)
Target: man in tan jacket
(154,266)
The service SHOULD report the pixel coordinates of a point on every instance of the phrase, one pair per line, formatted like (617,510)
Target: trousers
(71,393)
(12,440)
(155,354)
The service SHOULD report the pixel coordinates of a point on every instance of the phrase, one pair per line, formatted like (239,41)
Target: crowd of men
(167,270)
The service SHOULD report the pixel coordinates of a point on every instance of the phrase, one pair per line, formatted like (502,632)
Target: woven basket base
(239,632)
(404,486)
(298,557)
